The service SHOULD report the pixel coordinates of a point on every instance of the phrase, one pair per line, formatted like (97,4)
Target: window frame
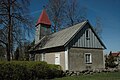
(57,58)
(87,34)
(88,60)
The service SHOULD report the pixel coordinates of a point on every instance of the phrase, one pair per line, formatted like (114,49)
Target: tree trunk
(9,32)
(8,53)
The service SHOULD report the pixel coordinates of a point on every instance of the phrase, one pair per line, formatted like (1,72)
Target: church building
(75,48)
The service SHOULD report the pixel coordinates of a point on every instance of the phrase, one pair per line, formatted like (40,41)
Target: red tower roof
(44,19)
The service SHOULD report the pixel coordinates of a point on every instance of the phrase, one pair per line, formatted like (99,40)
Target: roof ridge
(63,39)
(70,27)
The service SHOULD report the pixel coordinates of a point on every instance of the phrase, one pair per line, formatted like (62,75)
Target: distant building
(116,56)
(75,48)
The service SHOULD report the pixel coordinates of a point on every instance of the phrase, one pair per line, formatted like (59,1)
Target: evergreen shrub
(28,70)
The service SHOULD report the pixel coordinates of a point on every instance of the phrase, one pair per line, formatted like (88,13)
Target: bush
(18,70)
(110,61)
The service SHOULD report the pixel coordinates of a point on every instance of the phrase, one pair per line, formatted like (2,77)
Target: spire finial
(44,7)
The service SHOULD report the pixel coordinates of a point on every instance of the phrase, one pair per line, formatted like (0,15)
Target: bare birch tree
(74,13)
(65,13)
(15,22)
(56,12)
(98,26)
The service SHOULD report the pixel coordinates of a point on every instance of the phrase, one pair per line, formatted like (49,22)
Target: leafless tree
(98,26)
(15,23)
(75,13)
(56,12)
(65,13)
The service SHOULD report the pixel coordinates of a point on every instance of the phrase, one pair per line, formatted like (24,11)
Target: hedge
(28,70)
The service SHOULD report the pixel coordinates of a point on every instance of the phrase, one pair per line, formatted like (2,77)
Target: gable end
(87,38)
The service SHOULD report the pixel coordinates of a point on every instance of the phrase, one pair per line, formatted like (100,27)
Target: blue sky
(107,10)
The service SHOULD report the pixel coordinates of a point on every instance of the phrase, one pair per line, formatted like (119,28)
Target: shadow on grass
(95,76)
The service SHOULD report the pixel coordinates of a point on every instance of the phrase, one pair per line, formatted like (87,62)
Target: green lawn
(95,76)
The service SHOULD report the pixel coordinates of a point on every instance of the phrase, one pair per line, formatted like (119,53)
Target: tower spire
(44,19)
(42,26)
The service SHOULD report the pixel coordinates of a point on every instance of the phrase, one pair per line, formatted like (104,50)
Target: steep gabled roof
(63,37)
(97,37)
(43,19)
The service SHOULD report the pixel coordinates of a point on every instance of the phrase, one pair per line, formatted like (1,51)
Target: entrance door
(57,59)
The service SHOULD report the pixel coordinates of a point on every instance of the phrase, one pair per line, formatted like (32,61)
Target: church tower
(42,26)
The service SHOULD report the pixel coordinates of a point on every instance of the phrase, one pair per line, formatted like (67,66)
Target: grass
(95,76)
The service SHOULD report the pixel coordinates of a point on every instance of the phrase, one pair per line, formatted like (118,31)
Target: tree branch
(3,42)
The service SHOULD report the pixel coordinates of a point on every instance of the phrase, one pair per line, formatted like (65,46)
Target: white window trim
(90,58)
(43,57)
(58,55)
